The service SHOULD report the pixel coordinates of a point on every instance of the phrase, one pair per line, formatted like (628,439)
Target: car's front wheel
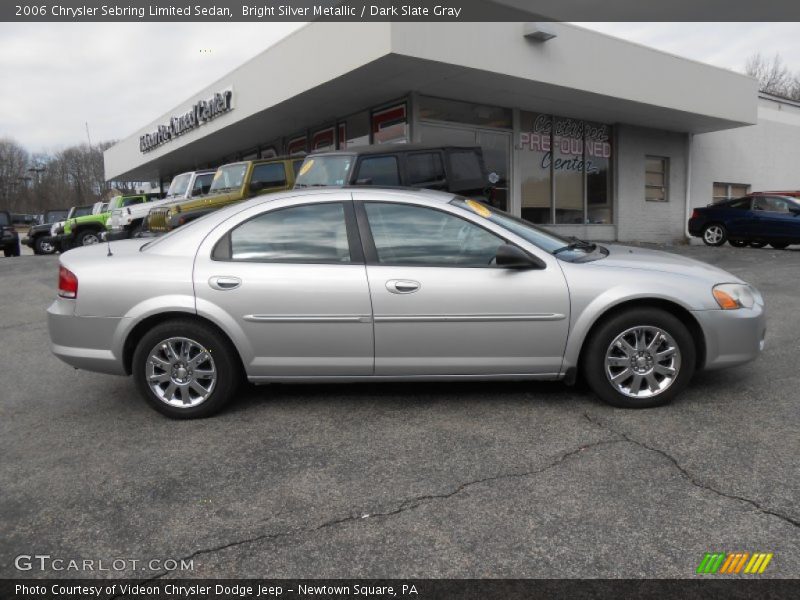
(185,369)
(639,358)
(714,234)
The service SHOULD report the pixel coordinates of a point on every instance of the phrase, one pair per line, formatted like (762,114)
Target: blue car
(755,220)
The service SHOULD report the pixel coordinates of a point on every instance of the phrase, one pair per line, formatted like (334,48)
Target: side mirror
(512,257)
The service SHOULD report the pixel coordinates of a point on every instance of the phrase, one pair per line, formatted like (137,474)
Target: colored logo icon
(734,563)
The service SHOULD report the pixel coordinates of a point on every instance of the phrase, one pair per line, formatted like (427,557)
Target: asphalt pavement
(400,480)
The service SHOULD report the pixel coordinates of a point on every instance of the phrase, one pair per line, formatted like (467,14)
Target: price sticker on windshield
(478,208)
(306,167)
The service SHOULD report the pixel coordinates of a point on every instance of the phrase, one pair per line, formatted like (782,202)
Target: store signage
(198,114)
(569,139)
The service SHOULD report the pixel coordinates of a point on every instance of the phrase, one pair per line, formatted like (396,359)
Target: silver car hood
(629,257)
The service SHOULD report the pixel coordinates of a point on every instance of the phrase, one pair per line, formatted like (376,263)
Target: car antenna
(108,242)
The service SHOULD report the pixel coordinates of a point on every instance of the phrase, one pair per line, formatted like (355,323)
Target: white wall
(636,218)
(766,155)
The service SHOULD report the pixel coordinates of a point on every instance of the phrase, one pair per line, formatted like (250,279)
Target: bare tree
(774,77)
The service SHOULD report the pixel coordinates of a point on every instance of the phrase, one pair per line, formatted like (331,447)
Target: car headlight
(732,296)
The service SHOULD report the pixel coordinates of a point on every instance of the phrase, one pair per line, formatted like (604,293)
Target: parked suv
(127,222)
(456,169)
(38,234)
(10,237)
(87,230)
(231,183)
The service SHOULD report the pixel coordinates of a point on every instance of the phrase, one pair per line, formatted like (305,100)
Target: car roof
(390,149)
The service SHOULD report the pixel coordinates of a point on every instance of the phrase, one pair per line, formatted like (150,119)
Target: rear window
(465,165)
(741,204)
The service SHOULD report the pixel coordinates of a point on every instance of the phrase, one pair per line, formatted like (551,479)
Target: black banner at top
(397,10)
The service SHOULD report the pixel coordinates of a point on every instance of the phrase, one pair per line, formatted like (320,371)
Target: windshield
(229,177)
(179,185)
(324,171)
(82,211)
(564,248)
(51,216)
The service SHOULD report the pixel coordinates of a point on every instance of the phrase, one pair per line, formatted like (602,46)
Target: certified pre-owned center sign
(199,113)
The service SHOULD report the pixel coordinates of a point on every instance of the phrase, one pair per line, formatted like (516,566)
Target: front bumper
(83,342)
(732,337)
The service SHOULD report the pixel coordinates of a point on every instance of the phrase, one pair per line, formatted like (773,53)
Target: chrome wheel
(642,362)
(714,235)
(181,372)
(89,239)
(47,247)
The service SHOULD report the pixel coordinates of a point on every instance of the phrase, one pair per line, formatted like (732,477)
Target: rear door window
(465,165)
(268,175)
(378,170)
(424,168)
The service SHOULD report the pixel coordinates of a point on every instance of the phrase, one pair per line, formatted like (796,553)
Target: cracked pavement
(401,480)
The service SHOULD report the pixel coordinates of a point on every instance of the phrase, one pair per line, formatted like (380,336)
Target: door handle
(402,286)
(224,283)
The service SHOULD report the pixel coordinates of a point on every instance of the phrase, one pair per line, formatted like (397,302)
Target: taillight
(695,214)
(67,283)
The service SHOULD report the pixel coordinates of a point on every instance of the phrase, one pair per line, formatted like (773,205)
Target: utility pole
(88,137)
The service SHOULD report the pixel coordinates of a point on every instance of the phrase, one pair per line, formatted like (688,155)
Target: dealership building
(584,133)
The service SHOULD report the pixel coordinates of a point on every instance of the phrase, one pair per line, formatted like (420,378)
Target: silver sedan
(362,284)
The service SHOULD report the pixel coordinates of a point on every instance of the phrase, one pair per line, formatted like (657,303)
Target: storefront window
(390,125)
(296,144)
(568,161)
(534,148)
(598,173)
(354,131)
(439,109)
(323,139)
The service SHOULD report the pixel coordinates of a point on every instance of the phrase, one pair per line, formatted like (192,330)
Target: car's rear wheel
(715,234)
(87,238)
(42,247)
(639,359)
(758,243)
(738,243)
(186,369)
(779,246)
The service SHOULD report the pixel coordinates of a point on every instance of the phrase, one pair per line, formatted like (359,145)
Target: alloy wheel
(713,235)
(642,362)
(180,372)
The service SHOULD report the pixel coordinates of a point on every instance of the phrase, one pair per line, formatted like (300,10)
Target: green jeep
(87,230)
(232,183)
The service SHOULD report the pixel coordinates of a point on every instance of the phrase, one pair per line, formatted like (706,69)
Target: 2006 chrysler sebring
(370,284)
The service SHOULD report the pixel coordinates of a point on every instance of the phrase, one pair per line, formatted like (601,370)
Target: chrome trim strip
(467,318)
(308,318)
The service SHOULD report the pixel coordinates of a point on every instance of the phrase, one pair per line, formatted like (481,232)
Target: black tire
(757,243)
(738,243)
(88,237)
(7,252)
(42,247)
(715,234)
(779,246)
(597,347)
(136,230)
(225,360)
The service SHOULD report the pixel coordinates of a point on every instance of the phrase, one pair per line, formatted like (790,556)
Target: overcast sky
(121,76)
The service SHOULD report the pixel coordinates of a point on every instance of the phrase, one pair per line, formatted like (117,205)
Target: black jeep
(37,234)
(456,169)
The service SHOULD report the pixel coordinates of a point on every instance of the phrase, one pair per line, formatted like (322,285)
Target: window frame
(222,250)
(665,160)
(371,251)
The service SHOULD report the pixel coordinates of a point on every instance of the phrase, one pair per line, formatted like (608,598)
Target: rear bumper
(696,227)
(732,337)
(83,342)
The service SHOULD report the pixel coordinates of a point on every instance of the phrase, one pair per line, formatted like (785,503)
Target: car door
(288,280)
(441,308)
(738,217)
(776,221)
